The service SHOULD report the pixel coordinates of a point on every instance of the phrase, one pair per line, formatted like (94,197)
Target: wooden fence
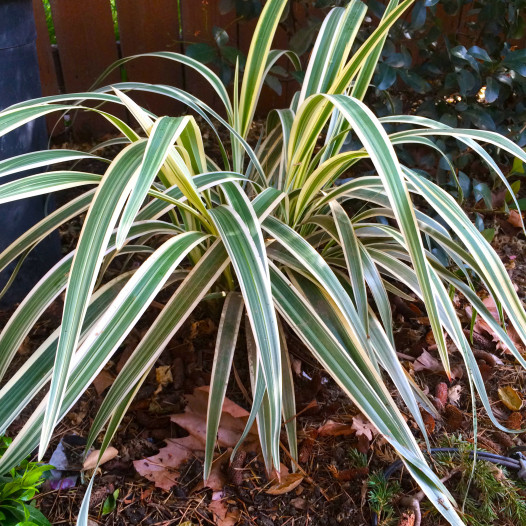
(86,45)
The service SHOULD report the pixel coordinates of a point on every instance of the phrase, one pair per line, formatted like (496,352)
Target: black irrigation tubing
(508,462)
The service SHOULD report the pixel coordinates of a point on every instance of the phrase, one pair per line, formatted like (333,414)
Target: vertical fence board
(46,64)
(198,19)
(146,26)
(48,76)
(86,43)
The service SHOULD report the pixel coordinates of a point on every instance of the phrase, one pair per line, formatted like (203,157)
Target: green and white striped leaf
(32,160)
(332,47)
(366,73)
(199,107)
(351,251)
(289,399)
(489,266)
(164,133)
(214,81)
(469,137)
(170,319)
(50,286)
(115,420)
(383,156)
(44,183)
(451,323)
(308,258)
(36,371)
(227,334)
(100,220)
(44,227)
(108,333)
(261,411)
(252,275)
(257,61)
(311,330)
(366,50)
(15,117)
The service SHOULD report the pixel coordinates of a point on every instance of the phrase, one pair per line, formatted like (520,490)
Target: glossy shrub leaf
(201,52)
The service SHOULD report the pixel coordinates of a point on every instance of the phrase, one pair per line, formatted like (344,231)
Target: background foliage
(440,68)
(459,62)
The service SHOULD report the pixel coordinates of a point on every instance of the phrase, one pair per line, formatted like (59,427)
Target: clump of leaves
(382,494)
(17,489)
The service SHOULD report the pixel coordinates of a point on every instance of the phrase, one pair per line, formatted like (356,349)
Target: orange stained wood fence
(86,44)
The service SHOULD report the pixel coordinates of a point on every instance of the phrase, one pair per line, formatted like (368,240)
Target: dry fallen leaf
(515,219)
(296,365)
(510,398)
(348,474)
(163,376)
(488,357)
(300,503)
(307,447)
(515,338)
(102,381)
(364,427)
(429,422)
(91,459)
(453,417)
(78,416)
(415,309)
(453,394)
(486,371)
(490,304)
(287,483)
(222,516)
(217,478)
(162,469)
(482,327)
(514,420)
(407,519)
(428,362)
(201,328)
(441,392)
(333,429)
